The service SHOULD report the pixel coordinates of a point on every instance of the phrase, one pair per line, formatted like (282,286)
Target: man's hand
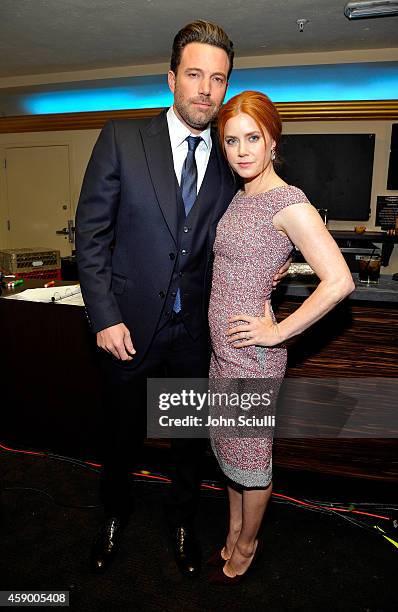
(281,273)
(116,340)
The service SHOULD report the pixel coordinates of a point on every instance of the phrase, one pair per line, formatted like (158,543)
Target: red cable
(213,487)
(14,450)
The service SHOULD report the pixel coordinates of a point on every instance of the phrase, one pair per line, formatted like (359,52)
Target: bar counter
(359,338)
(51,385)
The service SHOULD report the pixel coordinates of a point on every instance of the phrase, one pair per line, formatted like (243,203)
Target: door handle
(68,231)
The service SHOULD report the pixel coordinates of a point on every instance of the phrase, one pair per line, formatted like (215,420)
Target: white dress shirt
(178,133)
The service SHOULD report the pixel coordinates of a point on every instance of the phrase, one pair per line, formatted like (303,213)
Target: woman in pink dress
(254,238)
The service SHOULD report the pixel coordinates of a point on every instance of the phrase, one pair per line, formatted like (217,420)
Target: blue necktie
(189,179)
(189,174)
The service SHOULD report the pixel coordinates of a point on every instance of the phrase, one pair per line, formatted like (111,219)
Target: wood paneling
(374,459)
(352,340)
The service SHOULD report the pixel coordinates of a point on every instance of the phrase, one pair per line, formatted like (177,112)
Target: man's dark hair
(202,32)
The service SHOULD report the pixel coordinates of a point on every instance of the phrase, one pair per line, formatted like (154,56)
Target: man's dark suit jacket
(127,225)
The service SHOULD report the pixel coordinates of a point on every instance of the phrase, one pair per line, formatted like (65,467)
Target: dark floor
(312,561)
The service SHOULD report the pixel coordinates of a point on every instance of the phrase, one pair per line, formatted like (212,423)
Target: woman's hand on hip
(260,331)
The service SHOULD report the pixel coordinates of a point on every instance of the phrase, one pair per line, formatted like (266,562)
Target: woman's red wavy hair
(259,107)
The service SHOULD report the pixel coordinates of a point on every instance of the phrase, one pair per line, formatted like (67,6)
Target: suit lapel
(157,148)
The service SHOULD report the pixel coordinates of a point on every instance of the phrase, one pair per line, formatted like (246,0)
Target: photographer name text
(195,421)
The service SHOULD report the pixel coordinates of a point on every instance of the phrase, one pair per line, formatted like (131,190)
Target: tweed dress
(248,251)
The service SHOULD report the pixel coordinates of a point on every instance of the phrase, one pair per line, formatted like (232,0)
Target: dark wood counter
(51,386)
(359,338)
(355,339)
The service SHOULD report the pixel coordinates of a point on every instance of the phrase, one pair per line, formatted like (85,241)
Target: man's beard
(198,119)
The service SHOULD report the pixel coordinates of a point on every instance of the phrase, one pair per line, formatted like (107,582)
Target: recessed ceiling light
(371,8)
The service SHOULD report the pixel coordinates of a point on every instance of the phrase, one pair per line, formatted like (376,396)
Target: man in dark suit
(146,221)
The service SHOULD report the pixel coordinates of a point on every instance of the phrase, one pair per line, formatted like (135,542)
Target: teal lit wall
(361,81)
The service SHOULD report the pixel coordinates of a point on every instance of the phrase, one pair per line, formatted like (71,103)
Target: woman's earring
(273,155)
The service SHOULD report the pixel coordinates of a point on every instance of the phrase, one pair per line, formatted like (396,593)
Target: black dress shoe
(186,551)
(106,544)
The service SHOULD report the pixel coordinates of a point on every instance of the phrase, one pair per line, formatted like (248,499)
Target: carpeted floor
(312,561)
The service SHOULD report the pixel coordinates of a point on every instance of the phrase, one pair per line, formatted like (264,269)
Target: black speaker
(392,179)
(69,268)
